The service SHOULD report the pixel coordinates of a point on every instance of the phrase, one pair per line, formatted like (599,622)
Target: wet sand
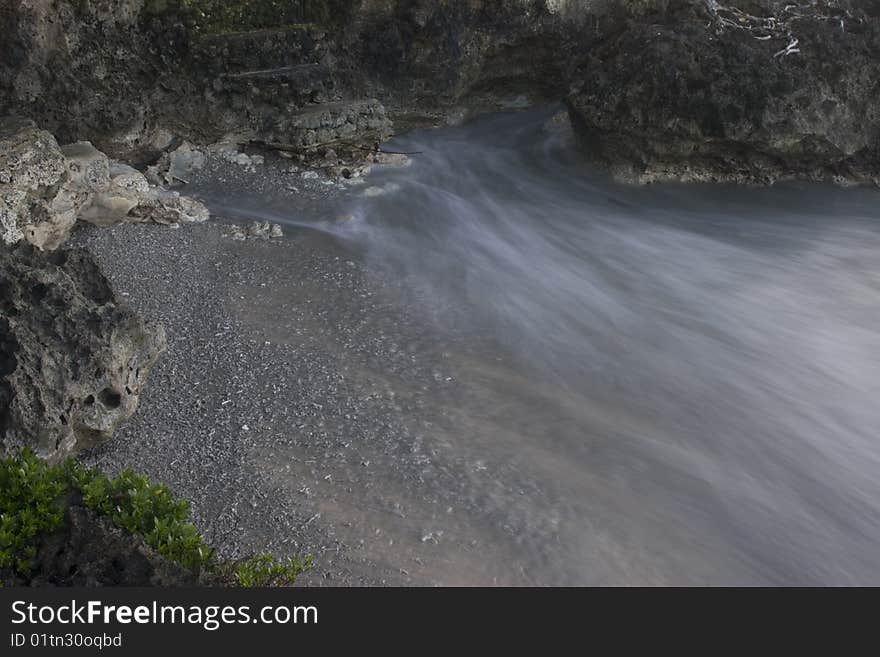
(302,407)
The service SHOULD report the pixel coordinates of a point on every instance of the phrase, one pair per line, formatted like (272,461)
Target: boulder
(73,360)
(127,189)
(168,207)
(319,125)
(45,188)
(177,165)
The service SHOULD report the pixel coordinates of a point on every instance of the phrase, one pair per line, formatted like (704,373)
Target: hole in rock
(110,398)
(39,292)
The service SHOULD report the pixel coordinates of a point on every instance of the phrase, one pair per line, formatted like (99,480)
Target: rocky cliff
(750,91)
(131,75)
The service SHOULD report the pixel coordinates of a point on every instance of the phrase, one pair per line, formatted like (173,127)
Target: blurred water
(689,375)
(717,348)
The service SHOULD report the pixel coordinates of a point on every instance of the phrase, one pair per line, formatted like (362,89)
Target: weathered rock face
(73,360)
(44,189)
(330,123)
(753,92)
(39,200)
(125,74)
(430,55)
(658,89)
(89,70)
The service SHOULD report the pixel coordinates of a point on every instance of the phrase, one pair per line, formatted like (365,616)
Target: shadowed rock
(743,92)
(89,550)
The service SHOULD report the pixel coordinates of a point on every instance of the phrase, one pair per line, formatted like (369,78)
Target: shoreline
(214,398)
(300,407)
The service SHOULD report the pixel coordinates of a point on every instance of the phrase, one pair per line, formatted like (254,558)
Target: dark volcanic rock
(73,360)
(88,70)
(753,92)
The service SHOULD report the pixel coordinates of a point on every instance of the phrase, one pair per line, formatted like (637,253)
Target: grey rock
(169,207)
(261,230)
(392,159)
(88,167)
(341,121)
(38,204)
(45,188)
(127,189)
(177,165)
(73,360)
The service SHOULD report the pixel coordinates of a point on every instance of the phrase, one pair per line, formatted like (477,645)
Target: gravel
(304,405)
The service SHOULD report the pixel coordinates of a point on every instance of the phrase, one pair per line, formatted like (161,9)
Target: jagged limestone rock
(168,207)
(37,203)
(127,189)
(73,360)
(318,125)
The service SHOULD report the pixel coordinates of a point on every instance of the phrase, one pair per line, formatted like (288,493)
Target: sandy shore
(241,383)
(299,407)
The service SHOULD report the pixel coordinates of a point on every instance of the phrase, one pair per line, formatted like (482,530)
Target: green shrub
(266,570)
(33,495)
(148,510)
(31,504)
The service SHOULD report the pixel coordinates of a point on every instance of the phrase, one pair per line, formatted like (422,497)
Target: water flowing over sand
(683,380)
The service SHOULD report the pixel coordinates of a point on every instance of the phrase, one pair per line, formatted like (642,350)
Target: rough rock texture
(44,189)
(427,56)
(125,75)
(73,360)
(89,70)
(126,189)
(89,550)
(747,92)
(319,125)
(169,207)
(39,197)
(259,230)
